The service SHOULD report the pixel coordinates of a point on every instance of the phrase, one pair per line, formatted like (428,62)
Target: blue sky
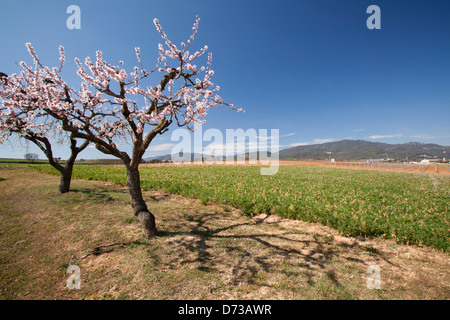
(311,68)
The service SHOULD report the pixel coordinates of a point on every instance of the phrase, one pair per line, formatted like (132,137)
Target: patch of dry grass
(201,251)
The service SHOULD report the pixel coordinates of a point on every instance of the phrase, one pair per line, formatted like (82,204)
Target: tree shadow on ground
(95,194)
(246,248)
(100,193)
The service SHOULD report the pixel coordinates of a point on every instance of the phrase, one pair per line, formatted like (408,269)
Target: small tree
(113,106)
(31,156)
(23,98)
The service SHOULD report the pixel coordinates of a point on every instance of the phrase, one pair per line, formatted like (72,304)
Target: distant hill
(363,150)
(162,158)
(352,150)
(191,156)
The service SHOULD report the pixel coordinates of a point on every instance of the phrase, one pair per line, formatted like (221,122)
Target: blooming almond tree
(22,97)
(113,106)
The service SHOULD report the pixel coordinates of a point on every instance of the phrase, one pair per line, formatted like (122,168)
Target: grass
(23,161)
(200,252)
(369,249)
(409,208)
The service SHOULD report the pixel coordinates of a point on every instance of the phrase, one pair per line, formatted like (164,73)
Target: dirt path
(201,251)
(442,169)
(397,167)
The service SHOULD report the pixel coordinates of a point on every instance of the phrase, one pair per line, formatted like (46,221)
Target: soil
(201,251)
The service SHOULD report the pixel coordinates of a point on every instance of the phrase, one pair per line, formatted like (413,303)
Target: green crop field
(409,208)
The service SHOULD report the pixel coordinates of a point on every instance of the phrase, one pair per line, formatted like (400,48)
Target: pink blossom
(117,109)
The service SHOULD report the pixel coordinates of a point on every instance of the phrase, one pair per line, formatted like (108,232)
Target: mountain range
(355,150)
(363,150)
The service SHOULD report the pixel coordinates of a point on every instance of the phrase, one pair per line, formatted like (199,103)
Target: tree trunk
(66,174)
(138,204)
(66,178)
